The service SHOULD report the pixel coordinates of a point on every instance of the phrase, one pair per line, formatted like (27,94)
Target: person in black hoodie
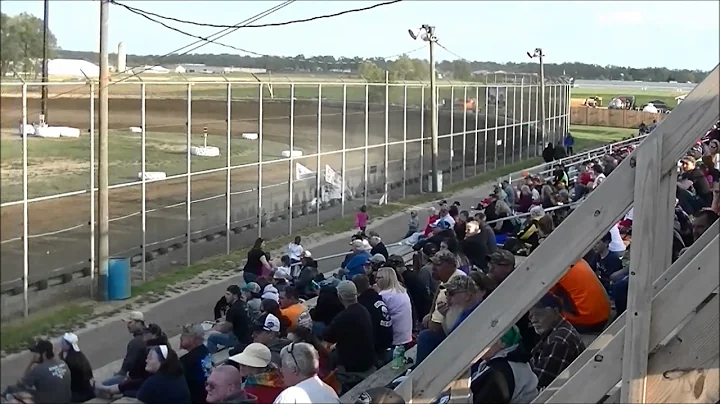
(474,246)
(441,231)
(328,306)
(378,247)
(548,153)
(197,362)
(80,370)
(381,322)
(419,293)
(559,152)
(152,335)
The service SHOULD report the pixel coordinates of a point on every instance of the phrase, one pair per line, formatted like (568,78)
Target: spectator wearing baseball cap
(352,333)
(262,376)
(442,317)
(291,308)
(47,377)
(81,373)
(425,267)
(266,331)
(464,293)
(235,330)
(502,263)
(135,322)
(560,343)
(253,300)
(197,362)
(354,263)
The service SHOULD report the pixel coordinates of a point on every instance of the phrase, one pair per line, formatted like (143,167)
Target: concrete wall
(616,118)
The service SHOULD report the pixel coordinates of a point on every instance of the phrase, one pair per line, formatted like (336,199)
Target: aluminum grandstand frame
(470,151)
(664,299)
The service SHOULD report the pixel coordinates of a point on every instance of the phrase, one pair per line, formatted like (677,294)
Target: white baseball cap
(254,355)
(268,323)
(72,340)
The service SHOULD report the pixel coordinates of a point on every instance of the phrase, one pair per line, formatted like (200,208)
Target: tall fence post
(365,149)
(318,188)
(404,174)
(522,117)
(143,157)
(291,168)
(487,111)
(422,137)
(26,247)
(343,171)
(452,130)
(93,284)
(260,162)
(505,123)
(537,119)
(386,164)
(497,120)
(464,136)
(188,200)
(228,164)
(515,123)
(477,112)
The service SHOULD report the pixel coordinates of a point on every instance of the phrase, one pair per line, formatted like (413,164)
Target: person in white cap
(271,292)
(81,373)
(135,322)
(300,365)
(354,263)
(266,331)
(262,377)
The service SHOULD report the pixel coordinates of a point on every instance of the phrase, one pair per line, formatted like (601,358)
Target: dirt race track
(50,254)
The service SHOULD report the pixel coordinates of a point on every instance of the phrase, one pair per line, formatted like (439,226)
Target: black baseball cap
(42,347)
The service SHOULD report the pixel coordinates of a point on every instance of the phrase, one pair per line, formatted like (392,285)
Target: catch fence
(192,163)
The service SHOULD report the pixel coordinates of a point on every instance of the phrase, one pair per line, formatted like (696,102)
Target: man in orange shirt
(586,304)
(291,308)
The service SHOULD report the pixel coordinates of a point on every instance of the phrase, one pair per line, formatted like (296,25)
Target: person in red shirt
(433,217)
(583,181)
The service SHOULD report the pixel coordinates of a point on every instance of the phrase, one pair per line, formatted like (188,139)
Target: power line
(192,46)
(451,52)
(276,24)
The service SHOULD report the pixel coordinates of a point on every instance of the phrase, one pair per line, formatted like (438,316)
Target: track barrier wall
(361,144)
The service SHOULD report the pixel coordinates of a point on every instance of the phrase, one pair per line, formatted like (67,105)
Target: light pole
(538,53)
(427,33)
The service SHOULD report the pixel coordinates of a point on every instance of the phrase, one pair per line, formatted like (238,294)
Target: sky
(681,35)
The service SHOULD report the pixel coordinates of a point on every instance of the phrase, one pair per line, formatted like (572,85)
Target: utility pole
(429,36)
(434,111)
(46,30)
(103,204)
(538,53)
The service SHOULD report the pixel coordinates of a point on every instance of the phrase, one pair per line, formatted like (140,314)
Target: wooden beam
(686,370)
(536,275)
(647,255)
(602,340)
(694,283)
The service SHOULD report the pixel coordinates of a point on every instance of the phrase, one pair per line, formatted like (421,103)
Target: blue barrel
(118,281)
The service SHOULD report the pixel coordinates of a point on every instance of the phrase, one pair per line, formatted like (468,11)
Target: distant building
(150,70)
(201,68)
(73,68)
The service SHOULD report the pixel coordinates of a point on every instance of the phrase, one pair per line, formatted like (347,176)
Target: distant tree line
(21,39)
(408,68)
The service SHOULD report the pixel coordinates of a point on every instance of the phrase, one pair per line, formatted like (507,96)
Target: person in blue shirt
(569,143)
(167,384)
(358,258)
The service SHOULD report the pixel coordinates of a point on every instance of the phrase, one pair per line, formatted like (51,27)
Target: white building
(73,68)
(150,70)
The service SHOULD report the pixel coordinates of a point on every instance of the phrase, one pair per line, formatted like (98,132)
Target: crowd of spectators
(376,307)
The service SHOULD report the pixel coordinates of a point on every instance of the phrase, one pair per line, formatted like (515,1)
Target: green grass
(62,165)
(641,97)
(15,335)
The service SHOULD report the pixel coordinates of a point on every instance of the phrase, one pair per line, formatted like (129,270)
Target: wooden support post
(545,266)
(598,376)
(646,256)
